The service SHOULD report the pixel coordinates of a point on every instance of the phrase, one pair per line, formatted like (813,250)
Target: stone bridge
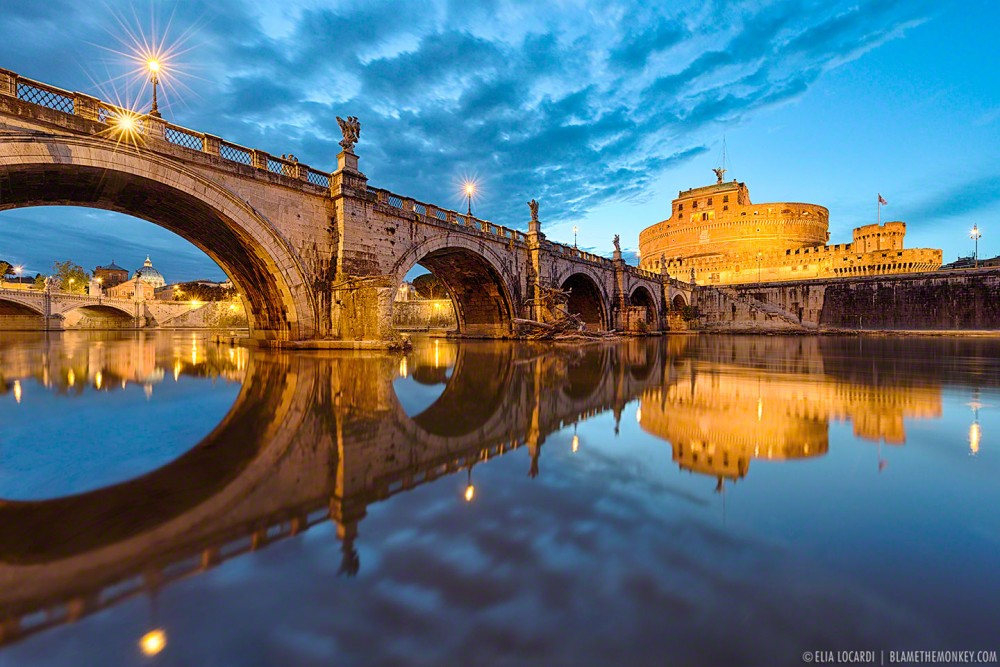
(310,439)
(35,309)
(315,254)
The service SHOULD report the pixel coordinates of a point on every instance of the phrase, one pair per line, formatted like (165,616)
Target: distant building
(150,275)
(110,275)
(718,236)
(406,292)
(137,289)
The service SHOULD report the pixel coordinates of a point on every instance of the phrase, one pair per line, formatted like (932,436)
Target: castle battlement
(717,231)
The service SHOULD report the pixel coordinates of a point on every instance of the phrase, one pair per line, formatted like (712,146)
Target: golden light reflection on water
(712,414)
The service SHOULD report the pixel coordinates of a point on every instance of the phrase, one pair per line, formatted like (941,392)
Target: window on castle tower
(709,201)
(694,204)
(725,199)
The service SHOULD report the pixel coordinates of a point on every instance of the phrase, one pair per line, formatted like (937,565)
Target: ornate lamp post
(154,78)
(575,230)
(975,235)
(470,189)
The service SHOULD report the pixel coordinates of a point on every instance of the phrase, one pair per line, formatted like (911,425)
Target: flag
(882,201)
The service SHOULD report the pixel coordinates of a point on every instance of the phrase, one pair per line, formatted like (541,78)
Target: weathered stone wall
(424,314)
(183,315)
(970,301)
(953,300)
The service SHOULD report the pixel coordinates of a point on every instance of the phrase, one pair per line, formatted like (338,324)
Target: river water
(691,500)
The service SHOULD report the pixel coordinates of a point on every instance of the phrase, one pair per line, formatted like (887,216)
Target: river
(687,500)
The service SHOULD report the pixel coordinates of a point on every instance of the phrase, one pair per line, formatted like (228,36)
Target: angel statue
(352,131)
(618,248)
(719,172)
(533,205)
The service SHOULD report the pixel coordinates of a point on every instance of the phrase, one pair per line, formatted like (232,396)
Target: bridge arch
(587,299)
(476,278)
(678,301)
(10,302)
(46,170)
(643,298)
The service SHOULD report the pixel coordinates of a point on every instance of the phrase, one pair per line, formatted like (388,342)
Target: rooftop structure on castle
(717,233)
(150,275)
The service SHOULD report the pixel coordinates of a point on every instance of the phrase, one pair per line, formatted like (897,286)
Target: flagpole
(878,207)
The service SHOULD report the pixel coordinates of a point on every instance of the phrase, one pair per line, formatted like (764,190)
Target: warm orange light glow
(975,435)
(153,642)
(403,370)
(17,390)
(638,414)
(470,188)
(98,379)
(71,378)
(470,492)
(576,443)
(153,66)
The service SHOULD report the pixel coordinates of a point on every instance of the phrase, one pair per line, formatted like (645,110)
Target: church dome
(150,275)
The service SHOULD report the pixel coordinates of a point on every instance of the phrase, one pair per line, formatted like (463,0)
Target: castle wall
(946,300)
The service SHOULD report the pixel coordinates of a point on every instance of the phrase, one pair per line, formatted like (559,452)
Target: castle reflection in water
(321,436)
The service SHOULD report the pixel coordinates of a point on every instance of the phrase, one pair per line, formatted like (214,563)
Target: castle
(716,234)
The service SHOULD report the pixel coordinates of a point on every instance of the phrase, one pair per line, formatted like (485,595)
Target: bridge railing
(570,251)
(431,212)
(80,104)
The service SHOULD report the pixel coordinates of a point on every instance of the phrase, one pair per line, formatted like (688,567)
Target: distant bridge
(36,309)
(316,255)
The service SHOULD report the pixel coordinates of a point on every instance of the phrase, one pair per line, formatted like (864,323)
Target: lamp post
(575,230)
(154,78)
(975,235)
(470,189)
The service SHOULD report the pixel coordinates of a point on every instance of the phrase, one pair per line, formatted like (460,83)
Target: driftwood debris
(563,325)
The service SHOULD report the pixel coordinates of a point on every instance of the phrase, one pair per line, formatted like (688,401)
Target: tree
(429,286)
(6,268)
(71,277)
(39,281)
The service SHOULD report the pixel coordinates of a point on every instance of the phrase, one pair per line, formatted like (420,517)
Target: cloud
(576,108)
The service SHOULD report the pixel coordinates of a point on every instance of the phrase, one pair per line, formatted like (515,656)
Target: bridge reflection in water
(318,437)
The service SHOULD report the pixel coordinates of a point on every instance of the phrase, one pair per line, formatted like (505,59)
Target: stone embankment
(958,300)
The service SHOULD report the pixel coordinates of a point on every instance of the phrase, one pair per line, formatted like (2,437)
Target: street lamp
(154,78)
(574,235)
(71,281)
(975,235)
(470,189)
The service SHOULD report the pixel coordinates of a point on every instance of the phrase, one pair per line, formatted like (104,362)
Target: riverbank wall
(959,300)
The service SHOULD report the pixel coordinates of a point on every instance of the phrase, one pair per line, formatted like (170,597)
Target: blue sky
(601,111)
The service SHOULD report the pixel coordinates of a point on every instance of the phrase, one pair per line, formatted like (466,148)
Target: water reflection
(314,438)
(730,401)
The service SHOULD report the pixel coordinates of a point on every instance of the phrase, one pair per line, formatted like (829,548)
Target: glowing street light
(975,235)
(153,642)
(470,189)
(154,78)
(575,230)
(470,490)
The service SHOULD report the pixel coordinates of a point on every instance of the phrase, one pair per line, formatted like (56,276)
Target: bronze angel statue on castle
(351,129)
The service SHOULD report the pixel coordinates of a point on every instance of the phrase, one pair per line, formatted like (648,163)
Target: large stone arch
(68,171)
(678,301)
(588,299)
(17,314)
(97,316)
(641,296)
(476,278)
(26,303)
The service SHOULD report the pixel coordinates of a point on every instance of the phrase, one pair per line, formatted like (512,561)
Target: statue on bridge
(352,132)
(618,247)
(533,205)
